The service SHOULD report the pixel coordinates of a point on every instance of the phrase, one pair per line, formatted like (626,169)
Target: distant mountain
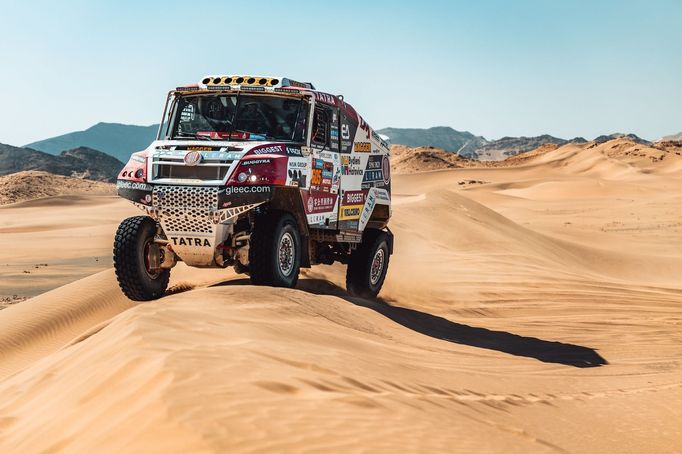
(505,147)
(114,139)
(618,135)
(468,145)
(462,143)
(676,137)
(119,141)
(79,162)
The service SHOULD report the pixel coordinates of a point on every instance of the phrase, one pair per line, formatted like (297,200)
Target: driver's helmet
(217,109)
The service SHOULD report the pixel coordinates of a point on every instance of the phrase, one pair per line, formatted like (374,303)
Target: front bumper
(195,219)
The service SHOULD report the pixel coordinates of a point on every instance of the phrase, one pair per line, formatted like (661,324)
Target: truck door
(325,177)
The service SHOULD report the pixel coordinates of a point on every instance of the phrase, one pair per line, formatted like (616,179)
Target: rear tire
(275,250)
(368,265)
(136,281)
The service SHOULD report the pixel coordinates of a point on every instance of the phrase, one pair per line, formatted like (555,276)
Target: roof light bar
(287,90)
(249,88)
(253,81)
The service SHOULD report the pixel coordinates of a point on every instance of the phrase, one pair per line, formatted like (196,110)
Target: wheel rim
(147,245)
(286,253)
(377,266)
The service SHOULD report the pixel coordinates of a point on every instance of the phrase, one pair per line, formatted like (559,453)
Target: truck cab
(264,174)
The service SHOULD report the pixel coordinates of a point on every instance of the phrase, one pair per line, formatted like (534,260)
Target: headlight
(242,177)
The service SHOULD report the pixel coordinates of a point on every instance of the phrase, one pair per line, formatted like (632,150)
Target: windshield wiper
(193,134)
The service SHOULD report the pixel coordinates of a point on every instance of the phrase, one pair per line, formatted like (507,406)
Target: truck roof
(271,84)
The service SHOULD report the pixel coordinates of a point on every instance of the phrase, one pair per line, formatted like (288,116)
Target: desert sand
(530,306)
(33,184)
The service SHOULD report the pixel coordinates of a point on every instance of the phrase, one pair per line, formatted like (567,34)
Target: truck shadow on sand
(443,329)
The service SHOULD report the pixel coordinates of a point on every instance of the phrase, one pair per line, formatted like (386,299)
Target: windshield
(238,117)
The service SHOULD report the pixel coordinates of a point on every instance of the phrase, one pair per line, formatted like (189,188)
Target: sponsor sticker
(373,163)
(349,213)
(293,151)
(362,147)
(124,184)
(256,162)
(229,190)
(297,164)
(316,177)
(374,172)
(351,165)
(325,98)
(367,211)
(354,198)
(190,241)
(383,195)
(197,148)
(386,169)
(273,149)
(320,203)
(345,132)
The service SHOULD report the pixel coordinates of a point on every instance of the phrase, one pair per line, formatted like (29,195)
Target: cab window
(321,123)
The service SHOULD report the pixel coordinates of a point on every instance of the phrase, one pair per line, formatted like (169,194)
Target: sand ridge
(32,184)
(538,311)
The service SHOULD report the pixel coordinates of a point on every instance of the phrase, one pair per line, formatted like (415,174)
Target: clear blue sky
(495,68)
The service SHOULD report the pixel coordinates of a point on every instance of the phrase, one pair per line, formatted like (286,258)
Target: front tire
(368,265)
(275,251)
(131,245)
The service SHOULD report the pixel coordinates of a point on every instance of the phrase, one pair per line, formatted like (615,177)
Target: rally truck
(263,174)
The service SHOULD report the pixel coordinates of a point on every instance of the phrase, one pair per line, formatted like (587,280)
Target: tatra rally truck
(264,174)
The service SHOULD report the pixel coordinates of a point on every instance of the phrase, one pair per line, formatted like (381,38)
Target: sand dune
(30,185)
(410,160)
(536,311)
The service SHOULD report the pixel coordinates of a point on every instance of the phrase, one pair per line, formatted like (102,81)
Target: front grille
(213,167)
(190,173)
(186,208)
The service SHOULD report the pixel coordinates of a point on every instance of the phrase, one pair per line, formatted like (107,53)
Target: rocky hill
(81,162)
(671,138)
(505,147)
(629,137)
(114,139)
(462,143)
(468,145)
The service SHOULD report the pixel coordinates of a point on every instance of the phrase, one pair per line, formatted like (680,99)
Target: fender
(375,196)
(289,199)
